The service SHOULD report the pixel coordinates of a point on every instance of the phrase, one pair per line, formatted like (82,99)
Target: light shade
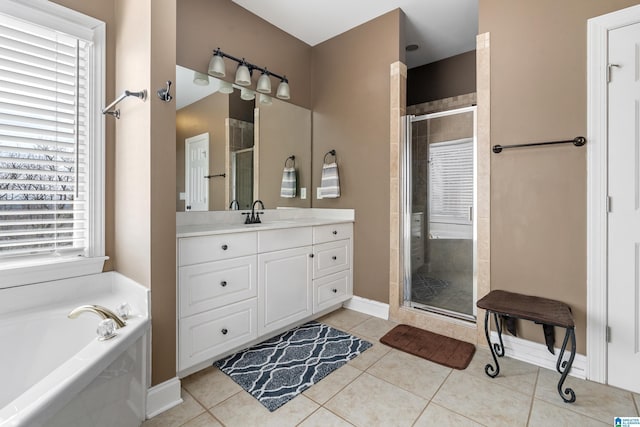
(200,79)
(283,90)
(247,94)
(265,99)
(216,66)
(264,83)
(225,87)
(243,76)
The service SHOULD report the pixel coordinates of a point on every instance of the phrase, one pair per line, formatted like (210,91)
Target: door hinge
(609,67)
(608,334)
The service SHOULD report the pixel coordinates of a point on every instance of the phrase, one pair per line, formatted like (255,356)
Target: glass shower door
(439,202)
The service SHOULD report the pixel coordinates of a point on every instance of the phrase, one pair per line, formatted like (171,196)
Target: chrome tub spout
(103,312)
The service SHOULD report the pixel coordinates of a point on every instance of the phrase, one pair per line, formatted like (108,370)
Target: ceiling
(441,28)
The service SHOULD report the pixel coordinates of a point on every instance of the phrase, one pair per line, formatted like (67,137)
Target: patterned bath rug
(277,370)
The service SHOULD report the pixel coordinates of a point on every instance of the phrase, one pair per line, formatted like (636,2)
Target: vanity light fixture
(265,99)
(244,72)
(247,94)
(216,65)
(200,79)
(225,87)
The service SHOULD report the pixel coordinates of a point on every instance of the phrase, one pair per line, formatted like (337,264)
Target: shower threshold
(443,311)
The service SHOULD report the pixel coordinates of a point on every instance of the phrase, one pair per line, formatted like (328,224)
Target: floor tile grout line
(219,403)
(533,397)
(336,393)
(198,402)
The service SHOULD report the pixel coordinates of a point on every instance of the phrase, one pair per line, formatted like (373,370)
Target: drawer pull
(310,255)
(334,290)
(223,283)
(224,331)
(335,232)
(225,247)
(334,257)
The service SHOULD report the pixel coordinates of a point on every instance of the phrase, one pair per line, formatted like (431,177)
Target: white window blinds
(451,181)
(43,140)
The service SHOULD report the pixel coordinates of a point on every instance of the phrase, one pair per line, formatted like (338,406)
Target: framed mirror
(232,147)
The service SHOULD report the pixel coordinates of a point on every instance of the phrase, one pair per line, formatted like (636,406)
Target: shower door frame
(406,204)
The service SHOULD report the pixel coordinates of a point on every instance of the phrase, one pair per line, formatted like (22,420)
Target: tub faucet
(103,312)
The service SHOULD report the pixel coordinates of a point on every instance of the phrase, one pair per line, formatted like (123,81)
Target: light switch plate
(183,195)
(303,192)
(318,193)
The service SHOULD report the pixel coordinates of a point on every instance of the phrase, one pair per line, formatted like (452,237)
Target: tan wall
(105,11)
(206,115)
(538,195)
(204,25)
(351,107)
(442,79)
(145,166)
(285,130)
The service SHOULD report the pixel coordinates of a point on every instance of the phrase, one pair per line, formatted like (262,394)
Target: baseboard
(163,396)
(537,354)
(368,306)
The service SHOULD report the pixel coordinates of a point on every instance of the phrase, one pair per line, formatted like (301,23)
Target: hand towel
(288,187)
(330,182)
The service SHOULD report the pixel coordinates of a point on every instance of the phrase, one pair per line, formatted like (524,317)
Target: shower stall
(438,210)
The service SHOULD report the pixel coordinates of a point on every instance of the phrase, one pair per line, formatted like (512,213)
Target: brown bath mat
(436,348)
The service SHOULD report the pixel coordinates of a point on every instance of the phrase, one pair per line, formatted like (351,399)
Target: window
(51,141)
(451,181)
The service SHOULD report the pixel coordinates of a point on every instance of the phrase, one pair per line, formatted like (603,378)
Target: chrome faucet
(103,312)
(235,203)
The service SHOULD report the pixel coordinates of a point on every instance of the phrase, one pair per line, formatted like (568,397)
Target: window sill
(29,272)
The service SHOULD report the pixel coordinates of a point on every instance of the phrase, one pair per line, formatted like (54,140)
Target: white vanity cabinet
(236,289)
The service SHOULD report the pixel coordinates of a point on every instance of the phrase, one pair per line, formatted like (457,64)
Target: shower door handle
(470,213)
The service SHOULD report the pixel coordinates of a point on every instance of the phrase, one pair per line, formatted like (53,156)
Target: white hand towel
(288,187)
(330,182)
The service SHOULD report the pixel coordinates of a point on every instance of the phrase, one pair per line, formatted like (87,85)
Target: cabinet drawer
(195,250)
(276,240)
(206,335)
(332,232)
(331,290)
(215,284)
(331,257)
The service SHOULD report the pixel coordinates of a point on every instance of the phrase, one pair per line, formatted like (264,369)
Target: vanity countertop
(222,228)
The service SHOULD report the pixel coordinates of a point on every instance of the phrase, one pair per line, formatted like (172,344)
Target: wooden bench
(536,309)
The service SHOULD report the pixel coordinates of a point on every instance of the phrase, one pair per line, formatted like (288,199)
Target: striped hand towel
(330,182)
(288,187)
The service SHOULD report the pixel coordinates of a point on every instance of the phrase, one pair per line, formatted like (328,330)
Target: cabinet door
(284,288)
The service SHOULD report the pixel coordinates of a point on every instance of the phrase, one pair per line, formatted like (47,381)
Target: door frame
(597,191)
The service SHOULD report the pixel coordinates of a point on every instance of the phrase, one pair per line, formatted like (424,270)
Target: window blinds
(43,137)
(451,181)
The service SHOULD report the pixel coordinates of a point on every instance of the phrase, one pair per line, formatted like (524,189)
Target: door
(285,294)
(623,311)
(196,169)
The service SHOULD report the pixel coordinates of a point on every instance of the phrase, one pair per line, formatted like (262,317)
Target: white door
(623,352)
(196,169)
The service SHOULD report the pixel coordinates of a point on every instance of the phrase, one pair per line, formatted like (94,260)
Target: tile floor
(385,387)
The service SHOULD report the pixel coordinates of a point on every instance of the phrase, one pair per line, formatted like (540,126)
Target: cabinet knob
(335,232)
(334,257)
(334,290)
(224,331)
(223,283)
(225,247)
(310,255)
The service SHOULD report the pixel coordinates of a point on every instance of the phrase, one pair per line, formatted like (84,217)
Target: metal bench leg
(495,348)
(563,367)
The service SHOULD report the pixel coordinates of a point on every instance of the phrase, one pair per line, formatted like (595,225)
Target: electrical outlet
(303,193)
(318,193)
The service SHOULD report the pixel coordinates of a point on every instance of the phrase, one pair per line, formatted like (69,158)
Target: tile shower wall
(240,135)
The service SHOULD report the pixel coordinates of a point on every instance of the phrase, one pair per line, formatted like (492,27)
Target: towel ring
(329,153)
(293,160)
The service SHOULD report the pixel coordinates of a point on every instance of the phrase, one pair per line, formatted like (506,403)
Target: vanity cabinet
(238,288)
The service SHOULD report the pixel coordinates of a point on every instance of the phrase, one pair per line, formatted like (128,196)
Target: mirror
(229,148)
